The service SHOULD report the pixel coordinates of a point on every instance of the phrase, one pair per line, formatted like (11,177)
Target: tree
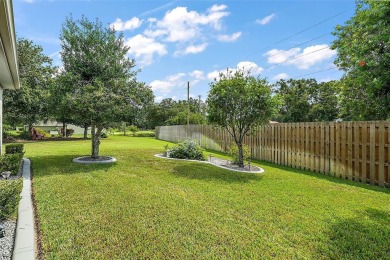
(305,100)
(98,75)
(363,47)
(239,102)
(29,104)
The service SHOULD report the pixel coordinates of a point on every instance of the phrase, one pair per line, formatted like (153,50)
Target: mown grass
(148,207)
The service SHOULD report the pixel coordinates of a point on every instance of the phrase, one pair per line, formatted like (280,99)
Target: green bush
(133,129)
(42,132)
(187,150)
(25,135)
(9,198)
(104,134)
(145,134)
(14,148)
(10,162)
(233,152)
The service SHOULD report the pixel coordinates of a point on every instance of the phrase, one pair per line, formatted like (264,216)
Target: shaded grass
(148,207)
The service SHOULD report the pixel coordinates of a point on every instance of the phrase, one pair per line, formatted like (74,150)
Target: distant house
(9,71)
(53,127)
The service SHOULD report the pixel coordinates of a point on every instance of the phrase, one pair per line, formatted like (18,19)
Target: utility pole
(188,103)
(200,107)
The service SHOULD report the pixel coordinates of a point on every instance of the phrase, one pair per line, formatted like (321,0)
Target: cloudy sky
(174,42)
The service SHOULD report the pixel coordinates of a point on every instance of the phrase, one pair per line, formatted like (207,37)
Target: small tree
(97,75)
(239,102)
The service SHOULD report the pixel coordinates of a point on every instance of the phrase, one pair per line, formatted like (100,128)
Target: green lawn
(147,207)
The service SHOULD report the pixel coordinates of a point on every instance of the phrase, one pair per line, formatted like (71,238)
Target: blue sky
(178,41)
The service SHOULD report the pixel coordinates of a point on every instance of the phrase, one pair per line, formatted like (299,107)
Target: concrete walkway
(24,248)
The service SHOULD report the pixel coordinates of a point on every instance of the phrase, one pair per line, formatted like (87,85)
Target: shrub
(14,148)
(104,134)
(145,134)
(9,198)
(233,152)
(42,132)
(133,129)
(10,162)
(187,150)
(25,135)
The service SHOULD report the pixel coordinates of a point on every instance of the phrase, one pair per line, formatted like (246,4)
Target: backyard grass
(148,207)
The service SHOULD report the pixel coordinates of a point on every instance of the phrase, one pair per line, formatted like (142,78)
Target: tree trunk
(240,155)
(85,131)
(63,129)
(124,129)
(95,132)
(30,127)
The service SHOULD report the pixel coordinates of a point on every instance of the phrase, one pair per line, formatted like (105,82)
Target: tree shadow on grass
(315,174)
(329,178)
(208,172)
(43,166)
(366,236)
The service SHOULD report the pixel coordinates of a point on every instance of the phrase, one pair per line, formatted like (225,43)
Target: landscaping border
(223,167)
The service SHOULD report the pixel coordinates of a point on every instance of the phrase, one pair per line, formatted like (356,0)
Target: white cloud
(247,66)
(144,49)
(279,56)
(166,85)
(302,60)
(181,25)
(265,20)
(192,49)
(131,24)
(197,74)
(281,76)
(229,38)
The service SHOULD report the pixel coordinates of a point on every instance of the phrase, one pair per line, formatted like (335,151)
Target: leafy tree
(239,102)
(305,100)
(98,75)
(171,112)
(29,104)
(296,99)
(324,99)
(363,47)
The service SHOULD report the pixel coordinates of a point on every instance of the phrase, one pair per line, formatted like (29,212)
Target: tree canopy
(29,104)
(238,102)
(97,75)
(363,52)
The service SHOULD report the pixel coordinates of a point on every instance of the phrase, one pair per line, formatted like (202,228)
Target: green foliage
(239,102)
(363,47)
(104,134)
(172,112)
(97,77)
(133,129)
(29,104)
(25,135)
(145,134)
(42,132)
(234,154)
(14,148)
(9,198)
(305,100)
(187,150)
(11,162)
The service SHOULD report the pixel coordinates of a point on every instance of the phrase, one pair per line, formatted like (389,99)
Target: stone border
(79,160)
(24,248)
(226,168)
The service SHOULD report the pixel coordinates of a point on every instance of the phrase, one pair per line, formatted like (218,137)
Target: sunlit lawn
(148,207)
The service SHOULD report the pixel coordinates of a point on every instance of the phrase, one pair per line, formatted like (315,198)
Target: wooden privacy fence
(358,151)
